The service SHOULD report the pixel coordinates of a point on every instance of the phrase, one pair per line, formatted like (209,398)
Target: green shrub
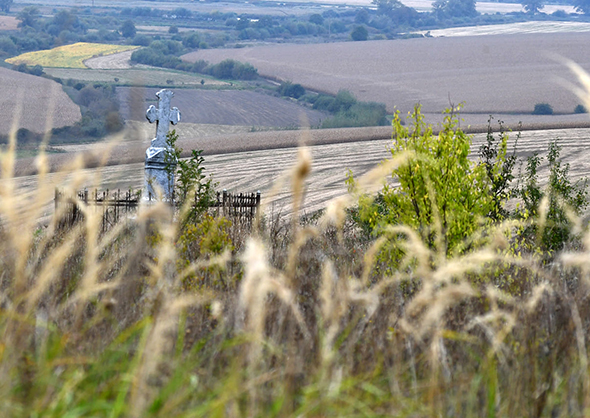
(289,89)
(580,109)
(543,109)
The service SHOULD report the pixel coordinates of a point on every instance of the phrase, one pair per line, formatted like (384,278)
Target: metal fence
(115,205)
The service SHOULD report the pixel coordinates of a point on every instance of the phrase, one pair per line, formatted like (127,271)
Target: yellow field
(68,56)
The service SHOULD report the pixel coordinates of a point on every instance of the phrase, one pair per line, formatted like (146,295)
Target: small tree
(173,29)
(543,109)
(533,6)
(128,29)
(359,33)
(5,5)
(443,195)
(190,180)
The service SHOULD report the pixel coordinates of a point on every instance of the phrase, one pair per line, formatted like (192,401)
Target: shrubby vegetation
(165,54)
(335,314)
(348,111)
(543,109)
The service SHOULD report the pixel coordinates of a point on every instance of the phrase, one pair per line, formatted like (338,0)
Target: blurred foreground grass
(165,315)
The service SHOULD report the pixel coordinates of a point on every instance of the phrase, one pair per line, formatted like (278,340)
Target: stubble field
(225,107)
(248,162)
(504,75)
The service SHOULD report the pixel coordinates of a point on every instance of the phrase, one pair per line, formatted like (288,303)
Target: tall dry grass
(298,319)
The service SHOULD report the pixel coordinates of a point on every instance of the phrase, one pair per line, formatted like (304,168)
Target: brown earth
(497,74)
(225,107)
(42,101)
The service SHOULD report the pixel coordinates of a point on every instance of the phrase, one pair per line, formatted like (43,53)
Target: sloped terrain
(41,102)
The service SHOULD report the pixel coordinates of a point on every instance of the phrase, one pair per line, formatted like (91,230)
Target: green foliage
(316,19)
(5,5)
(29,17)
(580,109)
(191,186)
(554,230)
(533,6)
(128,29)
(290,89)
(443,195)
(359,33)
(499,168)
(359,114)
(173,29)
(454,8)
(543,109)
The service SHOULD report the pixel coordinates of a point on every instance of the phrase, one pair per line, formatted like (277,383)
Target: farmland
(135,76)
(41,102)
(227,107)
(68,56)
(492,75)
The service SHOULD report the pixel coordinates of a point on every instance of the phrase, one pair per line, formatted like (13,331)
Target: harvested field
(512,29)
(502,74)
(226,107)
(136,76)
(42,101)
(117,61)
(8,23)
(249,171)
(68,56)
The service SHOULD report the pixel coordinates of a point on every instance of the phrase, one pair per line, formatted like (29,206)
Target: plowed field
(226,107)
(500,74)
(42,103)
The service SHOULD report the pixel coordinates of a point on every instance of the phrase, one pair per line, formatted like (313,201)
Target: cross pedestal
(159,173)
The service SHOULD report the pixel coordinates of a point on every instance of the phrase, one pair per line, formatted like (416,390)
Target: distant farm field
(34,103)
(496,74)
(135,76)
(68,56)
(8,23)
(223,107)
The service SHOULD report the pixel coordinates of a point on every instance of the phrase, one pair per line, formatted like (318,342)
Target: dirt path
(119,61)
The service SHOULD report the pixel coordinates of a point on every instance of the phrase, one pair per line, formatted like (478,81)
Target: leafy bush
(359,33)
(289,89)
(443,195)
(580,109)
(543,109)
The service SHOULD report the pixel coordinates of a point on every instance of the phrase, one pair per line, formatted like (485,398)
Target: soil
(225,107)
(43,102)
(494,74)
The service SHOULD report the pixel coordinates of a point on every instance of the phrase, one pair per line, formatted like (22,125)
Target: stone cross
(163,116)
(159,173)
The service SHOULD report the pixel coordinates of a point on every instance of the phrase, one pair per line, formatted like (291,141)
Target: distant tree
(191,40)
(5,5)
(182,13)
(289,89)
(317,19)
(359,33)
(173,29)
(454,8)
(386,7)
(582,6)
(127,29)
(533,6)
(361,17)
(29,17)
